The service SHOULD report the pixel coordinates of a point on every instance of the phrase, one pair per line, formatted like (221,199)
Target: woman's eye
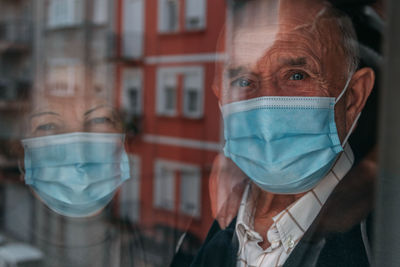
(100,120)
(297,76)
(47,127)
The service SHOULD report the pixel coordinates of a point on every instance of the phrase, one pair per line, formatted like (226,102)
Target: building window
(167,174)
(62,76)
(130,192)
(193,96)
(167,92)
(190,189)
(191,89)
(100,15)
(133,28)
(195,14)
(164,186)
(102,79)
(168,15)
(132,91)
(64,13)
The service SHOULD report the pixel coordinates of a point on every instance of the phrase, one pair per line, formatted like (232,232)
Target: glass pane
(193,99)
(170,97)
(192,132)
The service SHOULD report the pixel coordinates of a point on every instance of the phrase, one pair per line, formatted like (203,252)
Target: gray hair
(347,33)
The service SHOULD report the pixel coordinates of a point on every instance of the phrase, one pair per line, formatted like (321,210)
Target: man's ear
(360,88)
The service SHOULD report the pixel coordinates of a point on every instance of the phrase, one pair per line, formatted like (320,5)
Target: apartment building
(165,72)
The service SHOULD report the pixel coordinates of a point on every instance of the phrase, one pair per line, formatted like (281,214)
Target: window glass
(168,15)
(167,92)
(64,13)
(164,186)
(193,93)
(133,28)
(190,192)
(197,133)
(195,14)
(100,11)
(132,91)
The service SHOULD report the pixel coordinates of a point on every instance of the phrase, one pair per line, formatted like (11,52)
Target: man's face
(285,48)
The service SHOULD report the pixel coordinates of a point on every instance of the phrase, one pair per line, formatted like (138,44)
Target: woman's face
(74,153)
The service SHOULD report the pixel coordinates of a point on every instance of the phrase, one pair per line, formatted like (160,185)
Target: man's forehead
(249,44)
(289,22)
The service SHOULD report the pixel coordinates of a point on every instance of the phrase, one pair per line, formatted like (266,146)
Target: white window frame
(161,186)
(73,13)
(133,28)
(102,77)
(130,191)
(162,72)
(71,70)
(176,167)
(100,12)
(199,88)
(132,78)
(203,16)
(162,16)
(188,208)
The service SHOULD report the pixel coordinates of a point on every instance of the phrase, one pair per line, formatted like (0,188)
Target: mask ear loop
(351,129)
(21,171)
(344,90)
(358,116)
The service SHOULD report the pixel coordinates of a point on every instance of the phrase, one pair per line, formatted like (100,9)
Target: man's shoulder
(338,249)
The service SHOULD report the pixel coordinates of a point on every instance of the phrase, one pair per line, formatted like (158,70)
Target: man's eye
(241,82)
(298,76)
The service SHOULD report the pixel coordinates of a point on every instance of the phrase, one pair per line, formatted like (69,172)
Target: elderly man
(291,96)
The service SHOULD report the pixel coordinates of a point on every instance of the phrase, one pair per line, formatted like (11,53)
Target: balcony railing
(16,32)
(12,90)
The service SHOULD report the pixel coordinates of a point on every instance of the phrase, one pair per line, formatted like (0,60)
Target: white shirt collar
(291,224)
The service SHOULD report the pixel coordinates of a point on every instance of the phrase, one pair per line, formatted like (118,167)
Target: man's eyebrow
(96,108)
(233,72)
(295,62)
(43,113)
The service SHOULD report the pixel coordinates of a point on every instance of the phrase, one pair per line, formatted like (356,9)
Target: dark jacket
(340,249)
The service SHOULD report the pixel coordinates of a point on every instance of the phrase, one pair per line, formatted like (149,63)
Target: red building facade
(165,70)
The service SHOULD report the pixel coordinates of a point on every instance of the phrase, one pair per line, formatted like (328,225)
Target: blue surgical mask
(76,174)
(286,145)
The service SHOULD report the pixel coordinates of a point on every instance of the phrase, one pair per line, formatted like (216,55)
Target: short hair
(348,35)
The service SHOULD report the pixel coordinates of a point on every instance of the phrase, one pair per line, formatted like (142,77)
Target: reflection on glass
(104,157)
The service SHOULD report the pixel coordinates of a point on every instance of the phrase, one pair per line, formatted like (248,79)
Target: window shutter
(193,93)
(195,14)
(100,11)
(190,192)
(168,15)
(164,191)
